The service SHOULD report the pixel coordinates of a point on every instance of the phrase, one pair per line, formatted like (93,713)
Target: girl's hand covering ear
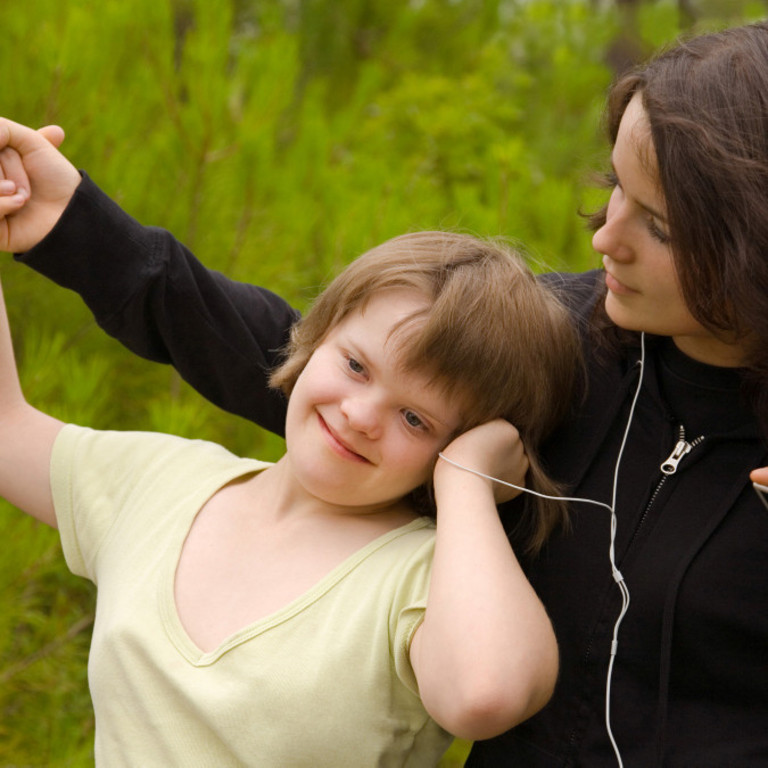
(493,449)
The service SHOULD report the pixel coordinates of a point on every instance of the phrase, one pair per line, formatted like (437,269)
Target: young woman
(307,613)
(675,329)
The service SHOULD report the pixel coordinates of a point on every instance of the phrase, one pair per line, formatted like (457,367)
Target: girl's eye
(413,420)
(354,366)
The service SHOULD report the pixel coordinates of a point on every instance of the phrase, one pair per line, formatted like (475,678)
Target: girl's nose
(363,414)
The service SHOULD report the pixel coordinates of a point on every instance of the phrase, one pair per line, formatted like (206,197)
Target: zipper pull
(682,447)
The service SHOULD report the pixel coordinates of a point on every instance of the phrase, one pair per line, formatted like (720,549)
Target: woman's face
(643,290)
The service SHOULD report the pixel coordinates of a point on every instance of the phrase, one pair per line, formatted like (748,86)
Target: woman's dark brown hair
(707,106)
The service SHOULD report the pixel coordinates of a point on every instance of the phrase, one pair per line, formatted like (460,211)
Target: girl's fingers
(10,204)
(12,171)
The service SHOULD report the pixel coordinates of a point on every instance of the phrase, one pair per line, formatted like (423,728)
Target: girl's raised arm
(485,656)
(26,439)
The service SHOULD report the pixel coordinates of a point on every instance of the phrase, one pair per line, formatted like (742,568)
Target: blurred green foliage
(278,139)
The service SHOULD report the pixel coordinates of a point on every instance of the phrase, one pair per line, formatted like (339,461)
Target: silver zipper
(668,467)
(682,448)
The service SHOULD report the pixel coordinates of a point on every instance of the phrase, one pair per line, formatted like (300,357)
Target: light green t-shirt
(325,681)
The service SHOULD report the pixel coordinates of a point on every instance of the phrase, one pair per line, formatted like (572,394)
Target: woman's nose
(614,238)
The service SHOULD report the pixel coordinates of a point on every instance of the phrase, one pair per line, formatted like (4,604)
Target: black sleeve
(149,292)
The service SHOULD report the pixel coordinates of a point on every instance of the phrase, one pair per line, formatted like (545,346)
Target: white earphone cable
(617,575)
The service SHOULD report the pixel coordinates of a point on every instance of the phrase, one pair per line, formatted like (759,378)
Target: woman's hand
(759,476)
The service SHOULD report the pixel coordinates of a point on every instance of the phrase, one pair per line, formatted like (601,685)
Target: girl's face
(361,433)
(643,290)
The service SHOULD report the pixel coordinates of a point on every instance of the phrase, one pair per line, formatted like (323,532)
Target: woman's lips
(616,286)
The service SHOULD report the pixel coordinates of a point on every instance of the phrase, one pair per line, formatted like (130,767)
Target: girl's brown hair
(707,106)
(491,334)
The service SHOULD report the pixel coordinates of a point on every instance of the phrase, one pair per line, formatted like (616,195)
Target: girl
(308,613)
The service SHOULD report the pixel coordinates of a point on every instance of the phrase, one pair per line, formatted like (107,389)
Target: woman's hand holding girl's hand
(493,448)
(36,184)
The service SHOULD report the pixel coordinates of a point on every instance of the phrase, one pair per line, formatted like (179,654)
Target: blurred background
(279,139)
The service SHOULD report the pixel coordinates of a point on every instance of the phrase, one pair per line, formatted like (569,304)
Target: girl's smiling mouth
(337,444)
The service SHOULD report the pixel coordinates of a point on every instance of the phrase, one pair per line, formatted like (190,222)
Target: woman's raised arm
(143,286)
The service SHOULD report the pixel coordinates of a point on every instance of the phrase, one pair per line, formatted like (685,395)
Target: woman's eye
(413,420)
(657,233)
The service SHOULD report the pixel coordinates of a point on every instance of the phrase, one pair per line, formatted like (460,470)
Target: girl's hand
(36,184)
(494,449)
(481,681)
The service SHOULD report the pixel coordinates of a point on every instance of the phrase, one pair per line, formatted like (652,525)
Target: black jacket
(690,678)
